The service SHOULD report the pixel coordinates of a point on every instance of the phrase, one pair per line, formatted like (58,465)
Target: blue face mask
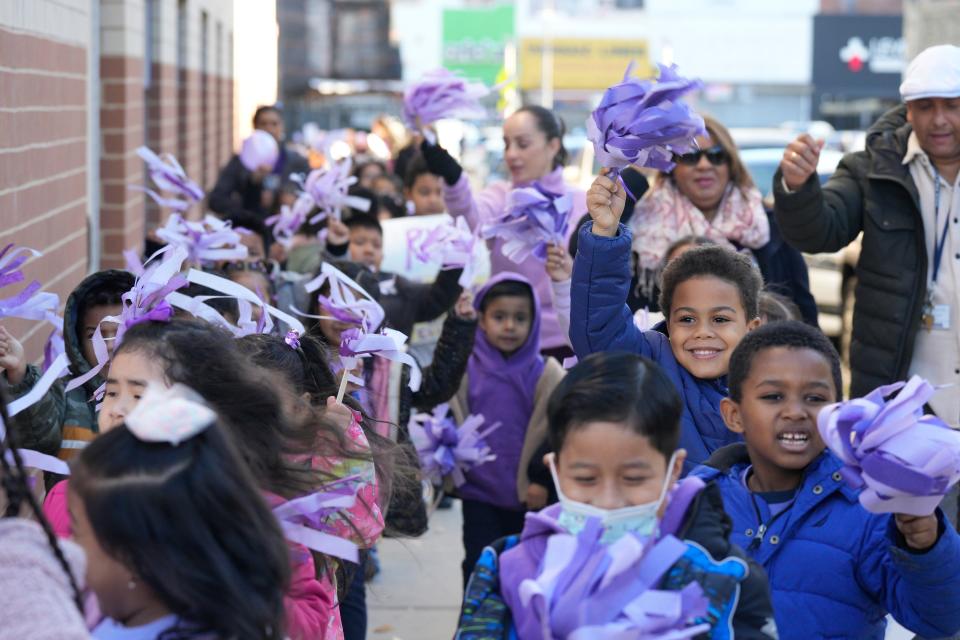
(639,519)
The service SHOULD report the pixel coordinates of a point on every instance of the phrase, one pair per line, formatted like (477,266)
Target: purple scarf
(502,390)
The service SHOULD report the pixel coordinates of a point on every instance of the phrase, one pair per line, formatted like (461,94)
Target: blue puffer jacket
(835,569)
(601,321)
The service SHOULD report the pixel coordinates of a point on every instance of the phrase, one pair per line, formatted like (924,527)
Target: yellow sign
(583,63)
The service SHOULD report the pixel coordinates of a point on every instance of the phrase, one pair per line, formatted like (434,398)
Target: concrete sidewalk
(417,594)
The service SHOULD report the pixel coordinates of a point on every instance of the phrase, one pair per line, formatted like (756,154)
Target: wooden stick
(343,385)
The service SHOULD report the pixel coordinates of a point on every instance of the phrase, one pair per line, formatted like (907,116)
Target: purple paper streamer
(30,303)
(446,450)
(904,461)
(169,176)
(587,589)
(347,301)
(287,223)
(643,122)
(356,344)
(329,189)
(306,520)
(441,94)
(260,149)
(206,242)
(452,245)
(534,219)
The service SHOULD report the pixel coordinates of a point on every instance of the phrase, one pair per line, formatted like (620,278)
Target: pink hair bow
(169,415)
(904,461)
(446,450)
(169,176)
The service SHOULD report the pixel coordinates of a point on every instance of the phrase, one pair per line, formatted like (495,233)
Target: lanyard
(939,242)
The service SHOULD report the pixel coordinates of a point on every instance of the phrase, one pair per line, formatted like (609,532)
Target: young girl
(614,428)
(709,296)
(507,381)
(272,443)
(179,541)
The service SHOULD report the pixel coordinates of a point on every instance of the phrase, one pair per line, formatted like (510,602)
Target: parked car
(832,275)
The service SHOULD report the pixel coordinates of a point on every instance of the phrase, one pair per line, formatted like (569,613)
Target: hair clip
(292,339)
(169,415)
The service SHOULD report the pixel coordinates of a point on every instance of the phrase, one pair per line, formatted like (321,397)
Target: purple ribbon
(587,589)
(169,176)
(356,344)
(306,520)
(329,189)
(441,94)
(287,223)
(446,450)
(534,219)
(903,461)
(452,245)
(643,122)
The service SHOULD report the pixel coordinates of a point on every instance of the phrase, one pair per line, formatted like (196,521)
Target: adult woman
(534,152)
(710,193)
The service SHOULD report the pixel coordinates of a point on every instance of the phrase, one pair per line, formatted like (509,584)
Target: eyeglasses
(716,155)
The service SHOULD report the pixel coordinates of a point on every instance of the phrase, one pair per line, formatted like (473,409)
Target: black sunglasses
(716,155)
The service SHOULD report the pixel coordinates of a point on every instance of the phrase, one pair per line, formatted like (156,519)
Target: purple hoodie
(502,390)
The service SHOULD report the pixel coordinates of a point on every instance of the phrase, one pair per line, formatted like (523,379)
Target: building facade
(83,83)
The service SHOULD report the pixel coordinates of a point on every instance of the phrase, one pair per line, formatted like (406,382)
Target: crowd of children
(234,484)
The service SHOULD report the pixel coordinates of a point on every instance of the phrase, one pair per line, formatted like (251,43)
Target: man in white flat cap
(902,192)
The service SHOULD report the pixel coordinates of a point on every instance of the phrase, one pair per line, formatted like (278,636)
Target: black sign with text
(858,55)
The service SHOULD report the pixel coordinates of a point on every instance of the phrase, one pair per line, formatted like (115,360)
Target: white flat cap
(934,73)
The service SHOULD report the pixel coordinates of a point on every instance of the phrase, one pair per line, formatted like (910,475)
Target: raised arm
(599,317)
(457,194)
(815,219)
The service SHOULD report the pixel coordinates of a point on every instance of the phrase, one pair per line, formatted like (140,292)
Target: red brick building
(83,83)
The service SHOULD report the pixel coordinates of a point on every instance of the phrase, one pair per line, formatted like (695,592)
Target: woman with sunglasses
(710,193)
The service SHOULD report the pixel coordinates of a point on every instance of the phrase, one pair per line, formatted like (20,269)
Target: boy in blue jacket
(709,296)
(836,570)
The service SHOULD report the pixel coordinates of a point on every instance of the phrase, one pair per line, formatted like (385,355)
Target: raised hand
(800,160)
(464,307)
(12,358)
(605,202)
(338,233)
(920,532)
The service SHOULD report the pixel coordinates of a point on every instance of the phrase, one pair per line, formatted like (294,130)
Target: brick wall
(43,145)
(144,93)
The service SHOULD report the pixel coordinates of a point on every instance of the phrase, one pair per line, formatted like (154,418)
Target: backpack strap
(681,498)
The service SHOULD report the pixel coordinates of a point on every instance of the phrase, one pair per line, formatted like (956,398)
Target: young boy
(423,190)
(614,424)
(709,296)
(62,424)
(405,302)
(836,570)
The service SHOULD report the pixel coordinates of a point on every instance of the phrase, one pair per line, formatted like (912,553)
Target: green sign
(474,40)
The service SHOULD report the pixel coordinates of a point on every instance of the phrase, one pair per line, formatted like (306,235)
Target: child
(272,443)
(509,382)
(709,297)
(62,423)
(423,190)
(217,569)
(405,302)
(836,570)
(614,424)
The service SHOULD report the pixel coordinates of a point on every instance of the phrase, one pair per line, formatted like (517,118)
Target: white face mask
(639,519)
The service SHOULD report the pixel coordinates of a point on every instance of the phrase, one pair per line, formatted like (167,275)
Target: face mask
(640,519)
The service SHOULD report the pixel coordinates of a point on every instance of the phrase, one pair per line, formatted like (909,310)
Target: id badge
(941,316)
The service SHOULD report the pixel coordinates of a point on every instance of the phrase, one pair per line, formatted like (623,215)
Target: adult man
(239,190)
(902,192)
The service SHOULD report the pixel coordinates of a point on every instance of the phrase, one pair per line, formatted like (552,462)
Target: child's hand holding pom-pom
(12,358)
(920,532)
(606,200)
(559,263)
(464,307)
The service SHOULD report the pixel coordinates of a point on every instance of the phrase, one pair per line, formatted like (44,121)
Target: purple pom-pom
(534,219)
(442,94)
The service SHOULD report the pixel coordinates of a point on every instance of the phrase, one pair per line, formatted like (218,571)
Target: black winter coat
(872,192)
(235,193)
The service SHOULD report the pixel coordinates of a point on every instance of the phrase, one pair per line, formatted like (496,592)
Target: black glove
(441,163)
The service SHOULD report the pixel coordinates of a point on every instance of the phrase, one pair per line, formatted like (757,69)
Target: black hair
(206,359)
(394,208)
(356,272)
(361,166)
(690,240)
(775,307)
(265,108)
(225,305)
(105,288)
(616,387)
(508,288)
(552,126)
(360,192)
(416,168)
(17,489)
(718,262)
(789,334)
(189,521)
(363,221)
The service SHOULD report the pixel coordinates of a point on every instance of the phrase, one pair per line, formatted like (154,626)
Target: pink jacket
(491,203)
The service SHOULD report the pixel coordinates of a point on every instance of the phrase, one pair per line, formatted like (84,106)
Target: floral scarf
(664,215)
